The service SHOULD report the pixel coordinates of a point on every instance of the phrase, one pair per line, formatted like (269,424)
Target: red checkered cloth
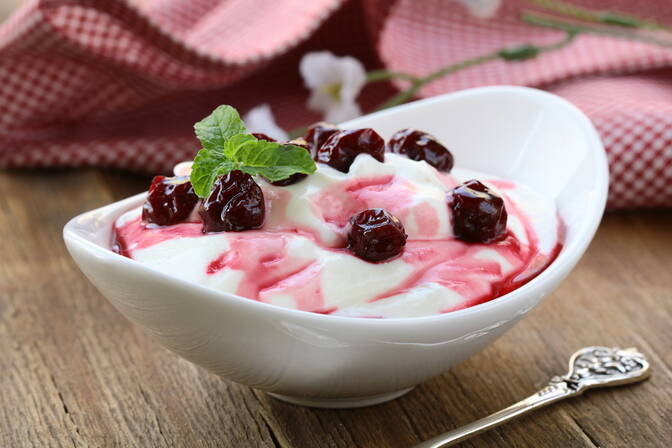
(119,84)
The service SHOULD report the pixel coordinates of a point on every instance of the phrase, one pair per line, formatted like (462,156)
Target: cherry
(317,134)
(419,145)
(340,150)
(170,200)
(376,235)
(479,215)
(236,203)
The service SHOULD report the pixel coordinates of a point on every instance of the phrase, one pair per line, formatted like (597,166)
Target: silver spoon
(588,368)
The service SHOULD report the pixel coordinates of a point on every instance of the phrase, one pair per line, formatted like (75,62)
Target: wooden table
(74,372)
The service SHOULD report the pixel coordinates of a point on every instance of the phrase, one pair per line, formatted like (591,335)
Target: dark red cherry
(376,235)
(170,200)
(479,215)
(260,136)
(317,134)
(419,145)
(294,178)
(340,150)
(236,203)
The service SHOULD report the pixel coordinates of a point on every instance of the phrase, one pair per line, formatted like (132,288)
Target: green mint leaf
(222,124)
(243,152)
(238,144)
(520,53)
(274,161)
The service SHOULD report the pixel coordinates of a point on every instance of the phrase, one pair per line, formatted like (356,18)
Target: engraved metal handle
(588,368)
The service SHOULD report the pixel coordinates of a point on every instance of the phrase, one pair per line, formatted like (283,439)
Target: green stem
(385,75)
(567,9)
(409,93)
(548,21)
(604,17)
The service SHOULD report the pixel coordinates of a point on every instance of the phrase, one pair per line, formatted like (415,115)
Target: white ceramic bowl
(522,134)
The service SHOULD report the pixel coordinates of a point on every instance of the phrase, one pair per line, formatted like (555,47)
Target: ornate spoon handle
(589,367)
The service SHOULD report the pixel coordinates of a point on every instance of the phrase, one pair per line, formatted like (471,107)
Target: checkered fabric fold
(119,84)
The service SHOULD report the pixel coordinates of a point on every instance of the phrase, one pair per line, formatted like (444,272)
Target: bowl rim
(567,257)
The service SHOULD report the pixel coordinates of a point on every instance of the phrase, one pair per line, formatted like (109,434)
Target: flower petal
(319,68)
(335,83)
(260,119)
(353,78)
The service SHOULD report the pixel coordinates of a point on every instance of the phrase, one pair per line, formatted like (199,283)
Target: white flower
(260,119)
(335,83)
(483,9)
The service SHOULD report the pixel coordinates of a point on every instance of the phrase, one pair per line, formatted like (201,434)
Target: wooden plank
(75,373)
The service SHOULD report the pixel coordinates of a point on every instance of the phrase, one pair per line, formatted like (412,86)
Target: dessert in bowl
(376,271)
(410,240)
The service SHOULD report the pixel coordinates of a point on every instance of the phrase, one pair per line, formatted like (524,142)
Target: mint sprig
(228,147)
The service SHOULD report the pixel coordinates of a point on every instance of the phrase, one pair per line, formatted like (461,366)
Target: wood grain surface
(75,373)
